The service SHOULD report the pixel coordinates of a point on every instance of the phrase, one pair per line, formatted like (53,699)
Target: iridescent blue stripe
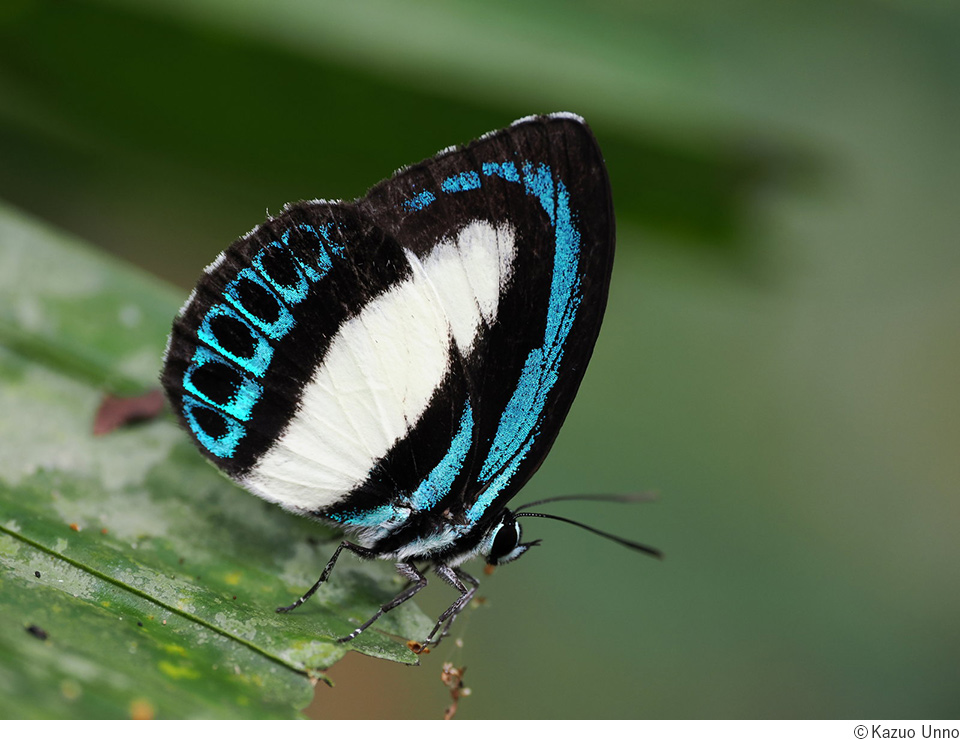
(438,483)
(386,517)
(432,489)
(519,423)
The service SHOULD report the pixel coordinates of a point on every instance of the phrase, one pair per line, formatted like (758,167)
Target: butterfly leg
(455,577)
(417,581)
(361,552)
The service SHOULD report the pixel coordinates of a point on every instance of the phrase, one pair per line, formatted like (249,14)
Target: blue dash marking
(386,517)
(420,201)
(468,180)
(506,170)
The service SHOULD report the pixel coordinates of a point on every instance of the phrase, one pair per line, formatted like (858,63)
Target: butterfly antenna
(617,498)
(619,540)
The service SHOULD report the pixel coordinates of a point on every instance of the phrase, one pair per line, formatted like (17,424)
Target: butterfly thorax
(440,538)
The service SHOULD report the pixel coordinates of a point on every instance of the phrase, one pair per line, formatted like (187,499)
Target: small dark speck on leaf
(38,632)
(116,412)
(139,624)
(36,573)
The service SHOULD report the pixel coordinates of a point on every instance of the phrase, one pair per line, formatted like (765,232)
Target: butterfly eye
(505,541)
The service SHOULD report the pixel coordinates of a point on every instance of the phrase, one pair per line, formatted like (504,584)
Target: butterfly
(400,365)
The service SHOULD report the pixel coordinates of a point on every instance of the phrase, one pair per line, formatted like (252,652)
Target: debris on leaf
(452,678)
(116,412)
(38,632)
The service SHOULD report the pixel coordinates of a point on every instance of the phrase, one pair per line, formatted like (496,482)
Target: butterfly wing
(536,197)
(403,364)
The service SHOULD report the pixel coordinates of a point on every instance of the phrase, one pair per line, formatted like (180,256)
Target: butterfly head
(502,543)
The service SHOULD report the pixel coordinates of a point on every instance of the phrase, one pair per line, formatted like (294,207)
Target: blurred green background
(780,355)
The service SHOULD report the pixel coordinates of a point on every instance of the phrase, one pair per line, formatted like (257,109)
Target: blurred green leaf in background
(779,359)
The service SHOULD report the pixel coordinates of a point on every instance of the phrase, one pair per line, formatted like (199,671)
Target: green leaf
(154,578)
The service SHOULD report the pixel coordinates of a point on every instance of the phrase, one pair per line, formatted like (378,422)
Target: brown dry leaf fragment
(115,412)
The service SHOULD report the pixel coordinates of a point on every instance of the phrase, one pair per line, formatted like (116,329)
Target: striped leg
(411,574)
(360,552)
(455,577)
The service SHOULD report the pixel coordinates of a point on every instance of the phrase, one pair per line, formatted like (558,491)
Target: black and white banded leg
(417,582)
(409,572)
(360,552)
(455,577)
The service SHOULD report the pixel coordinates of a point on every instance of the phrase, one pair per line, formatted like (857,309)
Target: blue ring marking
(468,180)
(223,446)
(419,201)
(246,393)
(336,247)
(292,295)
(276,329)
(249,392)
(262,354)
(314,274)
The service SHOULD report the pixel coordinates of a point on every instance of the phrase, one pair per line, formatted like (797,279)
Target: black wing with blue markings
(402,364)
